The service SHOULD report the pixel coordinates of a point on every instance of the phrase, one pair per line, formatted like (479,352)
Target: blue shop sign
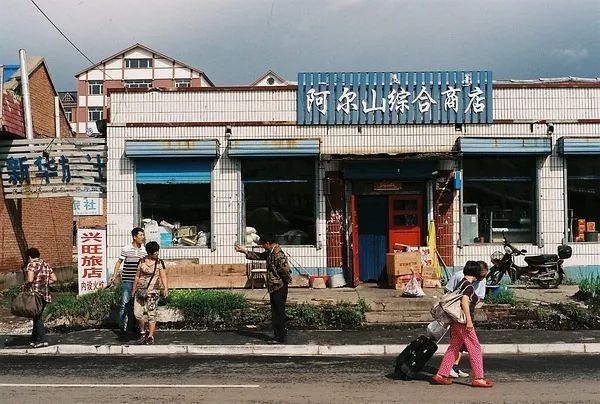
(386,98)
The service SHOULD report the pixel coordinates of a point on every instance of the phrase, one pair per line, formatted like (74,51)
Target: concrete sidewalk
(300,343)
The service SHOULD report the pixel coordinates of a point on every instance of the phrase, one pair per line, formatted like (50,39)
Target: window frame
(136,63)
(315,197)
(187,82)
(568,162)
(93,110)
(138,83)
(535,213)
(95,84)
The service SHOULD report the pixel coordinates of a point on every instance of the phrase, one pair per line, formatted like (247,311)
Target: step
(398,317)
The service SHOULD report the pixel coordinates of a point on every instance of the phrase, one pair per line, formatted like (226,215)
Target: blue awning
(274,148)
(505,145)
(172,148)
(173,171)
(388,170)
(578,145)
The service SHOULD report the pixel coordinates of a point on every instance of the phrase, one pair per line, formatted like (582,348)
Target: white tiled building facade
(537,109)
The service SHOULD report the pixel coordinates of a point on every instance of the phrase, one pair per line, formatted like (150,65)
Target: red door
(405,220)
(354,229)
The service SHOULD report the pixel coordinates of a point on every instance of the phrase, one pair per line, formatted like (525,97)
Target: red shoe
(439,379)
(482,383)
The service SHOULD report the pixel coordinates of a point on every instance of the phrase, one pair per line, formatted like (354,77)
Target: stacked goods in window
(580,230)
(401,266)
(590,232)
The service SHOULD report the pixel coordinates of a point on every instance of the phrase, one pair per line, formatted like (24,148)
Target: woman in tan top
(146,290)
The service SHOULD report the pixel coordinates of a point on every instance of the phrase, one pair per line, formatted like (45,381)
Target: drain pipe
(25,91)
(1,95)
(57,117)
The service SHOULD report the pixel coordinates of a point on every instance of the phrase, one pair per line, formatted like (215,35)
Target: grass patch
(340,315)
(505,296)
(210,308)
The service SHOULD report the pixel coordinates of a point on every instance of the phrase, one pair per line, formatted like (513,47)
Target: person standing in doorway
(130,257)
(39,276)
(278,279)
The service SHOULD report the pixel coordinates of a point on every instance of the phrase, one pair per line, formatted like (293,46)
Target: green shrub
(589,287)
(65,287)
(11,292)
(338,316)
(94,307)
(207,307)
(505,296)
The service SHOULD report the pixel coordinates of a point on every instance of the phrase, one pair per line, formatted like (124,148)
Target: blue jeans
(126,308)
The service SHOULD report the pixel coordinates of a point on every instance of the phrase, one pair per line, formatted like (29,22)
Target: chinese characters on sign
(91,259)
(394,98)
(74,167)
(87,206)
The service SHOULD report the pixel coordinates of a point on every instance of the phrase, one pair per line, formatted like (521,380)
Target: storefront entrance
(381,221)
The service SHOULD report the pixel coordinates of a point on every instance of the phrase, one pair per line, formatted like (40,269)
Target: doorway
(372,236)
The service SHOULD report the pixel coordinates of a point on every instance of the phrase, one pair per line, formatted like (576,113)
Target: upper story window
(182,83)
(138,63)
(95,113)
(95,87)
(138,83)
(69,114)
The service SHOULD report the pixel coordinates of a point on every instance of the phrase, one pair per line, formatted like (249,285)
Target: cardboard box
(590,227)
(429,272)
(403,263)
(432,283)
(399,282)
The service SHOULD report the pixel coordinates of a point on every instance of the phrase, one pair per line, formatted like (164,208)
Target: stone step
(402,304)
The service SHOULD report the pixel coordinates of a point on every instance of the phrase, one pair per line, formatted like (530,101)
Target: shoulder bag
(449,308)
(26,304)
(142,293)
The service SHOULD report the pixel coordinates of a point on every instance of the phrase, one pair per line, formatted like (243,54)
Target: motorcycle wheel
(553,284)
(494,277)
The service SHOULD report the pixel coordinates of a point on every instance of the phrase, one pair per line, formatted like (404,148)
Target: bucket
(337,281)
(318,282)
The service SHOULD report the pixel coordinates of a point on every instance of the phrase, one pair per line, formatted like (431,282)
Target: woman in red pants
(465,333)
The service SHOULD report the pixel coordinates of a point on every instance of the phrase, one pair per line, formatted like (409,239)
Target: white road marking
(130,386)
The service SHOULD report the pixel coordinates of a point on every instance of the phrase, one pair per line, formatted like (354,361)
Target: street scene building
(341,167)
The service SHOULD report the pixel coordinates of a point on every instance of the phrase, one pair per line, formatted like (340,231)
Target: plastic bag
(412,288)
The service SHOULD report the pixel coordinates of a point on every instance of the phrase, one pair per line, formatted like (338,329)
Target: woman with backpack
(464,334)
(38,276)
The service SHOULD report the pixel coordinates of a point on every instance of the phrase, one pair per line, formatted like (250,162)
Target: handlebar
(515,250)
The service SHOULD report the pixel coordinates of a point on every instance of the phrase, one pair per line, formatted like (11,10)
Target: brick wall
(84,222)
(44,223)
(443,216)
(42,105)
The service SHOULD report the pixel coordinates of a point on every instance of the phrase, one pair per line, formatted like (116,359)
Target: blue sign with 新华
(342,98)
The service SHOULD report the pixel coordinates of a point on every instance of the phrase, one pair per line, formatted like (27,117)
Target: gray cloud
(234,41)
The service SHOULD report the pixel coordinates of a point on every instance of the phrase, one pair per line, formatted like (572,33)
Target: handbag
(449,308)
(142,293)
(26,304)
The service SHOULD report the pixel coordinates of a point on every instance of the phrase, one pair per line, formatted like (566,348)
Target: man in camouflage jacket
(278,279)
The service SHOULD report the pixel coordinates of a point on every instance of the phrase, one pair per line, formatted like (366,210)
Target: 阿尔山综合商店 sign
(53,167)
(389,98)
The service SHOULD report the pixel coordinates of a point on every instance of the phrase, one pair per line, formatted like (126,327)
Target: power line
(62,33)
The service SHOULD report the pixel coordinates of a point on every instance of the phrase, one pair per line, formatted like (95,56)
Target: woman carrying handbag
(146,290)
(464,333)
(38,276)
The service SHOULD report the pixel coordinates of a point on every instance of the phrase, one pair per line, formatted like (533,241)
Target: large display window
(280,199)
(499,198)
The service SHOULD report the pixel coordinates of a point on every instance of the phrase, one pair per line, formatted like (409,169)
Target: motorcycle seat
(541,259)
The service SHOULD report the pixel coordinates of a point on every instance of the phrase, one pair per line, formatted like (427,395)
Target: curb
(291,350)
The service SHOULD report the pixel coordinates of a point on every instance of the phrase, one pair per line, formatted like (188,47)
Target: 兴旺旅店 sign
(389,98)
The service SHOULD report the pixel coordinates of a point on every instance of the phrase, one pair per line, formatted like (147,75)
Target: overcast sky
(234,41)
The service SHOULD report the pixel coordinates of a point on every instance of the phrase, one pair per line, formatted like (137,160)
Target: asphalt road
(53,379)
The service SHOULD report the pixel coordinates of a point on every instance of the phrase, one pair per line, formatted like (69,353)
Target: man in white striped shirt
(131,254)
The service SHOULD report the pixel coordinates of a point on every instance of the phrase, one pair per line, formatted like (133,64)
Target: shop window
(583,198)
(499,197)
(186,207)
(280,199)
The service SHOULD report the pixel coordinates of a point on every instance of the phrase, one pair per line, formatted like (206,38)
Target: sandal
(443,380)
(482,383)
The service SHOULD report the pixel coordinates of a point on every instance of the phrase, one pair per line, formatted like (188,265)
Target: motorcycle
(546,270)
